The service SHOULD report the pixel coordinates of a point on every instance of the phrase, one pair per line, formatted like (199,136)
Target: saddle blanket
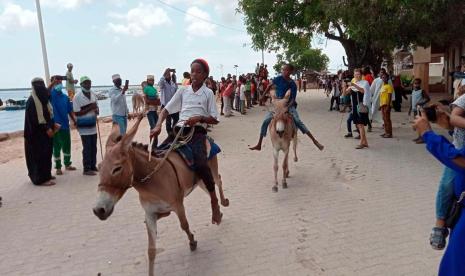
(186,152)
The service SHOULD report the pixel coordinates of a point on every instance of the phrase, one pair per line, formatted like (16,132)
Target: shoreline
(5,136)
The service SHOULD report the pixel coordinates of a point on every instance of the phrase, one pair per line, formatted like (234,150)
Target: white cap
(115,77)
(150,77)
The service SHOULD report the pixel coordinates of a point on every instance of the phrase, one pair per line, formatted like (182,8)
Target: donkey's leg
(275,168)
(294,146)
(285,168)
(151,223)
(217,177)
(181,212)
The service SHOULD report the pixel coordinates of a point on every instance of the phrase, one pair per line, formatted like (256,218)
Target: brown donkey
(138,103)
(126,165)
(282,131)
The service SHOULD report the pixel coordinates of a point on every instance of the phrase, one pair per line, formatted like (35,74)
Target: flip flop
(361,146)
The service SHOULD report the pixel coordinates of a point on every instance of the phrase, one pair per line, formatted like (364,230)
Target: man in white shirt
(197,108)
(85,108)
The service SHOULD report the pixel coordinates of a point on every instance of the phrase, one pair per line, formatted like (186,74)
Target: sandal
(438,238)
(48,183)
(361,146)
(387,136)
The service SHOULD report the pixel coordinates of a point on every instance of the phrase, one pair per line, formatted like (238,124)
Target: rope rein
(174,145)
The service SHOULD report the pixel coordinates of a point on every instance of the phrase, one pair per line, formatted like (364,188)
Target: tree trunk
(362,55)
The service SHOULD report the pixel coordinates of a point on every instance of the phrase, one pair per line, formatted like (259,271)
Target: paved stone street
(346,212)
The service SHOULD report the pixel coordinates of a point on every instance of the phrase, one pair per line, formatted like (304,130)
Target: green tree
(303,59)
(368,30)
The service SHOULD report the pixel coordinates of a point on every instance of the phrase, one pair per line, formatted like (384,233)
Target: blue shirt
(453,261)
(282,85)
(61,108)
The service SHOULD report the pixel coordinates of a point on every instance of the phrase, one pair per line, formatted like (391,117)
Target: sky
(132,38)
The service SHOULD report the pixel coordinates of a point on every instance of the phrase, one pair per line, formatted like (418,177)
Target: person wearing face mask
(62,108)
(39,128)
(86,109)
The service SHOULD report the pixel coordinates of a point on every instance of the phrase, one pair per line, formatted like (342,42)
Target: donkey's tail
(294,146)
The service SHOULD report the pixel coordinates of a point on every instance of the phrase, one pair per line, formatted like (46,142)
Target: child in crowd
(237,101)
(228,91)
(242,97)
(345,99)
(419,98)
(385,100)
(335,94)
(445,193)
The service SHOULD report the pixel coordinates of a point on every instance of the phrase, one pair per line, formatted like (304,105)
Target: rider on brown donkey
(197,107)
(281,84)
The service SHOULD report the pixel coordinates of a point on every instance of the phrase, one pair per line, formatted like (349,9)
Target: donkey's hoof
(284,185)
(275,189)
(225,202)
(296,159)
(193,245)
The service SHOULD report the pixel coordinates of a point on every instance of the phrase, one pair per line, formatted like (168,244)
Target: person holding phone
(119,107)
(168,88)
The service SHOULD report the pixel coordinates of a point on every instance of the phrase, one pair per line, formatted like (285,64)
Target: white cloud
(15,17)
(197,26)
(225,9)
(139,21)
(65,4)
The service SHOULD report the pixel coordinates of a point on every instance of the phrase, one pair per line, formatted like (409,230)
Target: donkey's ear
(288,94)
(129,136)
(113,138)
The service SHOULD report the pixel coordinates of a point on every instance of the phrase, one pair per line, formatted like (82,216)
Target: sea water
(14,120)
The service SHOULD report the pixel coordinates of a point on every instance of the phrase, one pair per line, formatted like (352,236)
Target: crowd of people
(368,97)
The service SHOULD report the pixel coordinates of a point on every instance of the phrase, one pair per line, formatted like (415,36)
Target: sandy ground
(346,212)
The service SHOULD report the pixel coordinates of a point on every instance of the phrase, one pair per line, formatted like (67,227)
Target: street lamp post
(42,41)
(221,68)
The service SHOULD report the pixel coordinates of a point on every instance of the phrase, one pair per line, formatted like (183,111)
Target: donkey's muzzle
(280,133)
(102,213)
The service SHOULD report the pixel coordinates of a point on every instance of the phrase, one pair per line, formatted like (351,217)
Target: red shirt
(369,78)
(228,91)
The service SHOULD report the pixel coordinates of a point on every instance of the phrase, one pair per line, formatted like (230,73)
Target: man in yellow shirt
(385,105)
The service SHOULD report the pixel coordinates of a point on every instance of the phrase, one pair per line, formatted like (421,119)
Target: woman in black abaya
(38,132)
